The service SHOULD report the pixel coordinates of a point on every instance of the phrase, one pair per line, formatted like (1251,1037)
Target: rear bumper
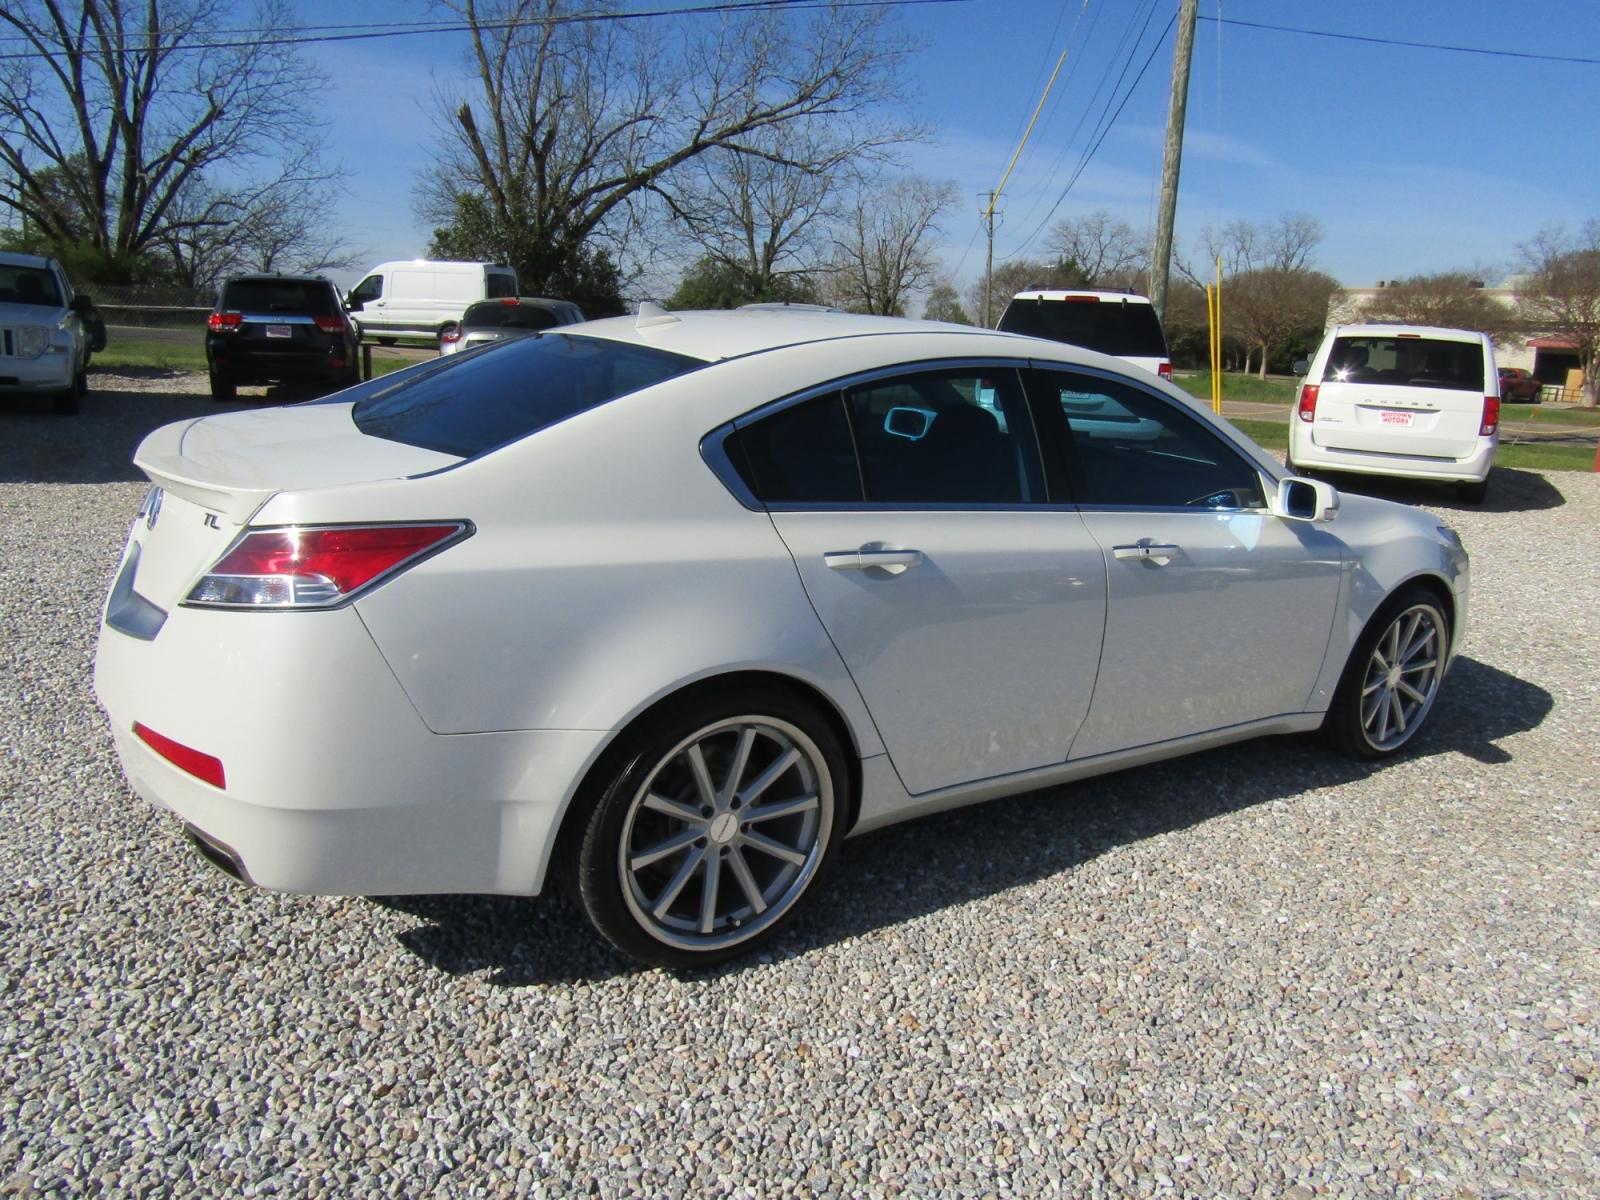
(333,786)
(247,365)
(1474,468)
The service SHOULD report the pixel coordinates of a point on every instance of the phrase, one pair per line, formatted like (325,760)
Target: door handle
(860,560)
(1147,551)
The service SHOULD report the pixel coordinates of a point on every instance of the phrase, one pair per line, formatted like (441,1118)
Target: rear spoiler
(160,457)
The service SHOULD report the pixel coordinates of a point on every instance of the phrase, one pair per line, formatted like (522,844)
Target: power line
(1381,41)
(727,6)
(1089,154)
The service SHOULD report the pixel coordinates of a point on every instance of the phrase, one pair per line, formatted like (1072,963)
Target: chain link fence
(156,306)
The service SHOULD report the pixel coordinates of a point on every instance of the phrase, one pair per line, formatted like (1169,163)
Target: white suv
(1412,401)
(47,331)
(1116,323)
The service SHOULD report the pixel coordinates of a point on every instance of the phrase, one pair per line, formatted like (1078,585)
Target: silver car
(668,606)
(511,316)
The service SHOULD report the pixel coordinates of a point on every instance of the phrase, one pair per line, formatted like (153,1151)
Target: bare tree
(1560,293)
(1454,299)
(110,112)
(883,251)
(1015,276)
(1106,252)
(1270,290)
(580,116)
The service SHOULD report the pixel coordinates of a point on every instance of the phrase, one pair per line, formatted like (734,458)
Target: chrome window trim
(714,451)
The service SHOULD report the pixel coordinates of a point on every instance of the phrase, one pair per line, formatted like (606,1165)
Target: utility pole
(988,266)
(1161,265)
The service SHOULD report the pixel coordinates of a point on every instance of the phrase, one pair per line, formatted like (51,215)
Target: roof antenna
(653,314)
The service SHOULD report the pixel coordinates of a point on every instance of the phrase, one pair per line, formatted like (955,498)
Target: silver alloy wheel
(726,832)
(1402,677)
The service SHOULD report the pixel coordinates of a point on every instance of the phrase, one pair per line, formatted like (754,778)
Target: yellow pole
(1216,403)
(1211,345)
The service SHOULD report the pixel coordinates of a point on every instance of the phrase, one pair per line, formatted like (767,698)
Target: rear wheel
(716,820)
(223,389)
(1473,493)
(1392,678)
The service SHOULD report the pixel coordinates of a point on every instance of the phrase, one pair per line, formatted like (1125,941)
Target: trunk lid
(211,475)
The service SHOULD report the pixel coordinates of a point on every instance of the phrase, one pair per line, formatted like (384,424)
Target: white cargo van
(419,298)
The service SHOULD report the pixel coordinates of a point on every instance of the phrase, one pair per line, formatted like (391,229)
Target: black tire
(1357,724)
(694,857)
(1473,493)
(386,341)
(223,389)
(70,401)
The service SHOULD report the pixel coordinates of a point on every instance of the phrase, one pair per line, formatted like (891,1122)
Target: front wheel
(1392,678)
(719,818)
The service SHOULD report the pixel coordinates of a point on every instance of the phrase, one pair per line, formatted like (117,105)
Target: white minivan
(1413,401)
(420,297)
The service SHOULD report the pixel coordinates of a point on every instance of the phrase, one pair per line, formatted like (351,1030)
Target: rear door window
(1406,362)
(279,296)
(477,401)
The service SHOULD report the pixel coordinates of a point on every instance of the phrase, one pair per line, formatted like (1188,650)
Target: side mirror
(1301,366)
(1299,499)
(908,422)
(81,305)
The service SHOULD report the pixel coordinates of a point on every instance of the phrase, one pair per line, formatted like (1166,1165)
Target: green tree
(944,304)
(713,283)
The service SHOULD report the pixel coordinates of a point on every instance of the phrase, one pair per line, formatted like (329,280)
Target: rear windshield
(28,285)
(469,403)
(279,295)
(495,315)
(1408,361)
(1109,326)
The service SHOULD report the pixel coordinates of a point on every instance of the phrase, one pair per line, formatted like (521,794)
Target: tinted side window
(800,455)
(1132,448)
(959,436)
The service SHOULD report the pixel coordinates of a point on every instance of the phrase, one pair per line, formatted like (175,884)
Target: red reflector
(452,333)
(1082,299)
(203,767)
(224,322)
(330,324)
(1491,416)
(1164,370)
(1308,401)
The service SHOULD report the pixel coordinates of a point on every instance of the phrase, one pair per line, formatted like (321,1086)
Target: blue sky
(1413,159)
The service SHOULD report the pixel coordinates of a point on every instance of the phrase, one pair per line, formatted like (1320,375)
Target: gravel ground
(1262,971)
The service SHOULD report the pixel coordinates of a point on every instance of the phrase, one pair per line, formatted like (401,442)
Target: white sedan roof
(722,334)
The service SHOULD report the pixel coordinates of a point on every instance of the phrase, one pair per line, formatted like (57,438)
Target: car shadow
(907,871)
(1510,490)
(96,444)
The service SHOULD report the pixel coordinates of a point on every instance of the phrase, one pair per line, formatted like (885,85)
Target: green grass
(1269,435)
(1245,388)
(123,353)
(1538,414)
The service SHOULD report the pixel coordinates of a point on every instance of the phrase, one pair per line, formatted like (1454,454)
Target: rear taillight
(224,322)
(1308,401)
(1164,370)
(333,324)
(1491,416)
(451,334)
(204,767)
(317,567)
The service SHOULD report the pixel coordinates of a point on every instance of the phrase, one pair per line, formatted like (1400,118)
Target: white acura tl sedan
(666,606)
